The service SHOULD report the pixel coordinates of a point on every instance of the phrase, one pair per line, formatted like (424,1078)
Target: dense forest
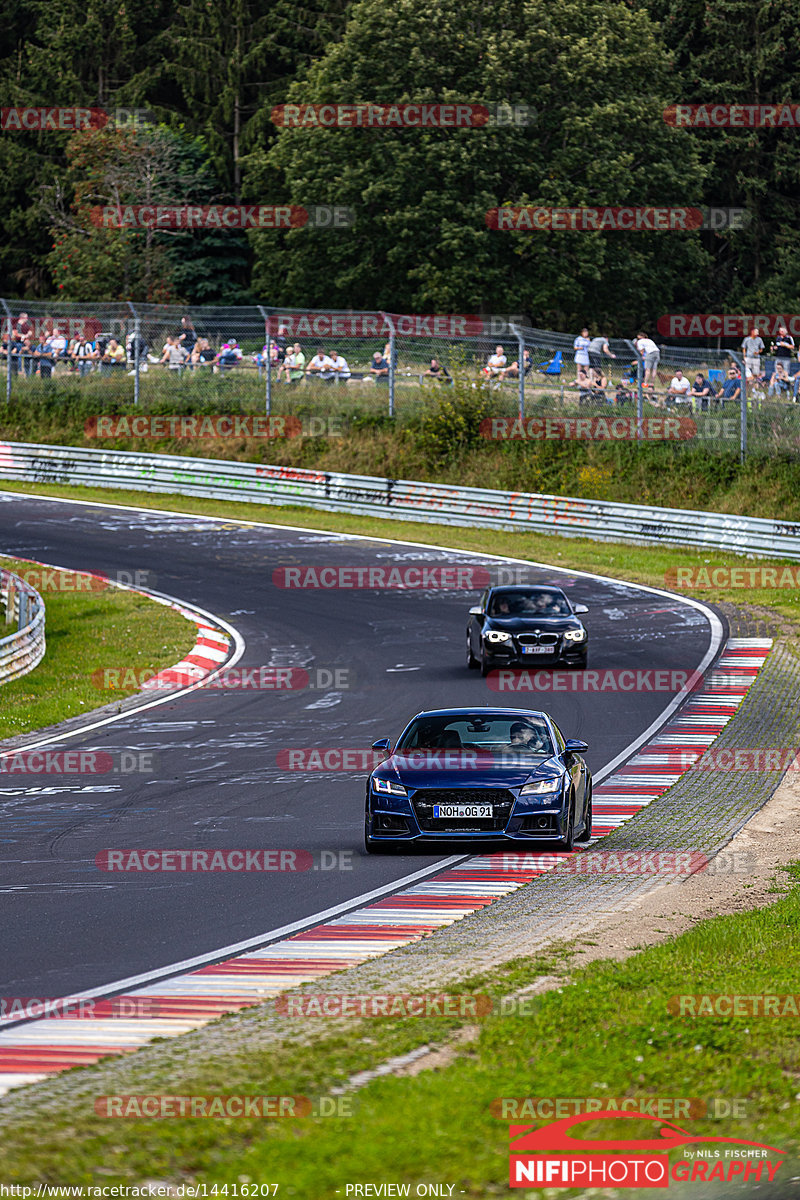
(191,91)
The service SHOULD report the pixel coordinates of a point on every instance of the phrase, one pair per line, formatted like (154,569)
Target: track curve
(69,927)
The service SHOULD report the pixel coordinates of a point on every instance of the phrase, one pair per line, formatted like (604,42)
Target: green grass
(436,435)
(87,632)
(607,1033)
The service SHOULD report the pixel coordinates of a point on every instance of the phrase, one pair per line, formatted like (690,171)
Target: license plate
(468,811)
(538,649)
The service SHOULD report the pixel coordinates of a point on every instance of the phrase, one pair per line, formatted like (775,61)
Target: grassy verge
(441,435)
(609,1032)
(89,632)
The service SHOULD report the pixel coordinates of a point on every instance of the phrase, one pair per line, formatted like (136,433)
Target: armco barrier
(401,499)
(21,651)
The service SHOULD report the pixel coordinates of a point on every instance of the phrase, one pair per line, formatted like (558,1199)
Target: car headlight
(389,787)
(575,635)
(540,787)
(497,635)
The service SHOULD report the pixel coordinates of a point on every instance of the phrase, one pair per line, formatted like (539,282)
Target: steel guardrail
(23,649)
(401,499)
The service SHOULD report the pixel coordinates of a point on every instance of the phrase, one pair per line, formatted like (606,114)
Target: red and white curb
(32,1051)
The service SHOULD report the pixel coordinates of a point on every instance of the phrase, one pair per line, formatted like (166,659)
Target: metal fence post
(742,407)
(23,610)
(8,350)
(521,361)
(137,332)
(268,348)
(392,344)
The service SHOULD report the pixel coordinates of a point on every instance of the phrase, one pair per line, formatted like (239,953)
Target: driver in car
(527,737)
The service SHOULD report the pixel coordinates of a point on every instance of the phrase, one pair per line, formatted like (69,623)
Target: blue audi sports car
(479,775)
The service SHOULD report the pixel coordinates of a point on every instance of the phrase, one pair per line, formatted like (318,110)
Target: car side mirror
(576,746)
(382,744)
(580,608)
(476,611)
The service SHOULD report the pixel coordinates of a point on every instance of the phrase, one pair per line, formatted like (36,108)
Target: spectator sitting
(435,371)
(387,354)
(113,357)
(679,389)
(44,357)
(599,383)
(512,372)
(174,355)
(202,352)
(58,345)
(582,381)
(780,383)
(278,343)
(320,365)
(623,395)
(496,363)
(294,365)
(339,368)
(229,355)
(23,324)
(84,355)
(379,367)
(732,387)
(131,350)
(701,392)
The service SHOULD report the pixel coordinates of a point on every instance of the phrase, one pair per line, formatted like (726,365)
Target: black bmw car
(479,774)
(534,625)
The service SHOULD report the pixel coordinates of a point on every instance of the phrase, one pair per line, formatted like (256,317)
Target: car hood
(457,768)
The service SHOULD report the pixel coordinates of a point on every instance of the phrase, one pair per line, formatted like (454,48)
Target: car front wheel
(472,661)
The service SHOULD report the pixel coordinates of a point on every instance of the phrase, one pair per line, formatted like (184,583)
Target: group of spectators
(781,381)
(33,354)
(289,362)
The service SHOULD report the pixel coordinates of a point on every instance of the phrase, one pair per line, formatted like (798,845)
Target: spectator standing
(44,358)
(187,336)
(581,347)
(651,355)
(598,346)
(753,348)
(783,347)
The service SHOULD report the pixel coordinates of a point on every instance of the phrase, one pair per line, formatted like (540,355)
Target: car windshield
(538,602)
(526,735)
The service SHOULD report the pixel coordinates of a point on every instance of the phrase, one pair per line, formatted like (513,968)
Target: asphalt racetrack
(219,779)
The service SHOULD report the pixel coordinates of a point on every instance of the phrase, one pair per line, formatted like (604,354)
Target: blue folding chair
(553,367)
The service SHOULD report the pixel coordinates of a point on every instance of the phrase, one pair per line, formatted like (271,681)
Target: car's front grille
(501,800)
(538,639)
